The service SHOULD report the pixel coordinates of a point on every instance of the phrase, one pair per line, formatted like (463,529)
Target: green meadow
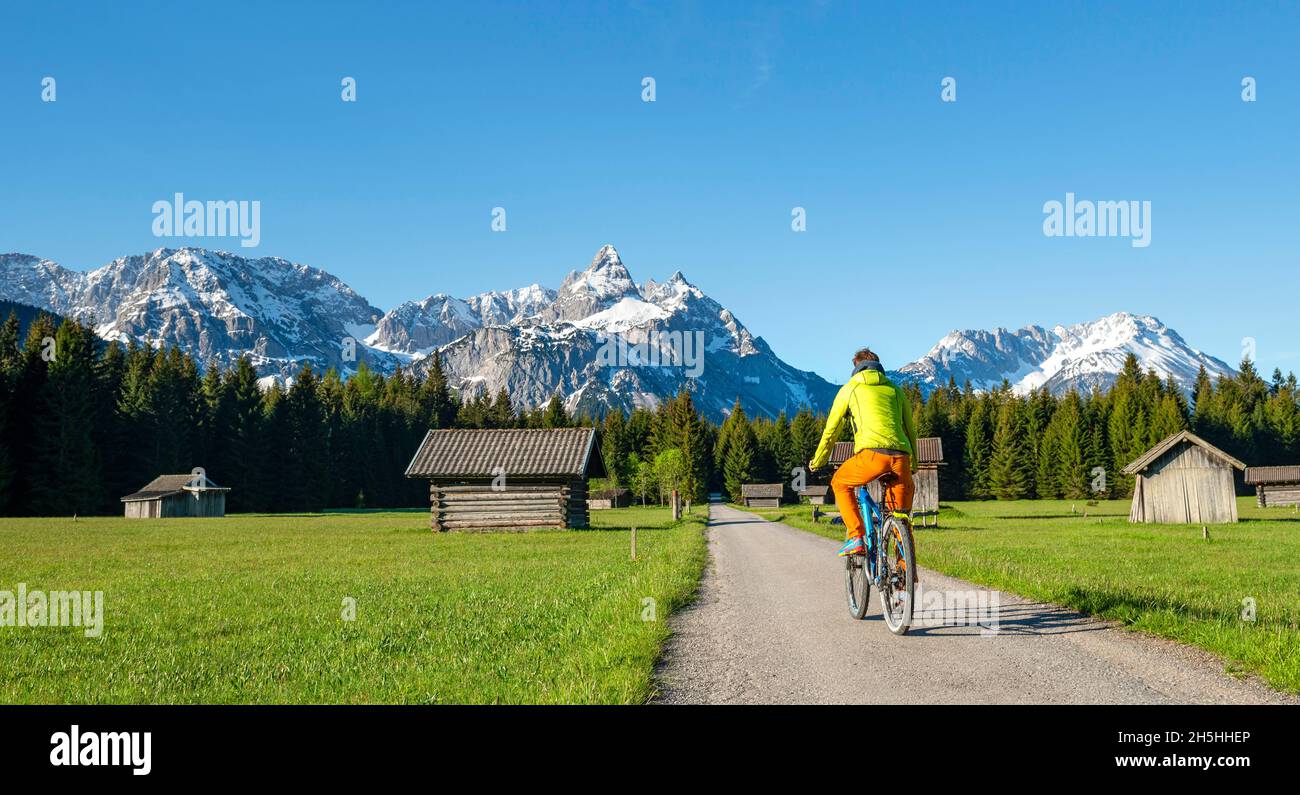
(364,607)
(1163,579)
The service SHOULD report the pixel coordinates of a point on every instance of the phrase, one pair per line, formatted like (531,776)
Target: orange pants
(860,470)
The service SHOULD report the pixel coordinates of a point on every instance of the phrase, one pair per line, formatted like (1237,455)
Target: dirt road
(771,626)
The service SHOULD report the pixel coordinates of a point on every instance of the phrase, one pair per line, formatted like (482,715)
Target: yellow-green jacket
(880,413)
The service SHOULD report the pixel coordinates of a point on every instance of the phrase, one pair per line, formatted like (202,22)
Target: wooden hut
(609,498)
(1275,486)
(170,496)
(508,478)
(762,495)
(816,495)
(929,457)
(1184,480)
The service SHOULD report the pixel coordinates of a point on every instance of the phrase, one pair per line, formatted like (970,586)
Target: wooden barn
(762,495)
(170,496)
(1184,480)
(609,498)
(508,478)
(929,457)
(816,495)
(1275,486)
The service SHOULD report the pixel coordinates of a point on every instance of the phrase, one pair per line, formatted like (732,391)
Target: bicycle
(889,563)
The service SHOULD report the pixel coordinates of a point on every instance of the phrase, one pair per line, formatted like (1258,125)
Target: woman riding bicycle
(884,443)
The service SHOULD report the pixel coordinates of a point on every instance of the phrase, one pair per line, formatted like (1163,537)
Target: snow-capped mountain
(420,327)
(1081,356)
(601,341)
(215,305)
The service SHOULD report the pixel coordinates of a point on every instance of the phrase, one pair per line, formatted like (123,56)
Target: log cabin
(762,495)
(1275,486)
(511,479)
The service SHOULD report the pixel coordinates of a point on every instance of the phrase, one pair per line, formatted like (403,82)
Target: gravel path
(771,627)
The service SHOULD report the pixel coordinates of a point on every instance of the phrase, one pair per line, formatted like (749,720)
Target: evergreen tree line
(84,423)
(1000,445)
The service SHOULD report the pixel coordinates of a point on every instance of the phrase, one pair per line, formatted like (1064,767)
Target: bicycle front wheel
(857,584)
(897,567)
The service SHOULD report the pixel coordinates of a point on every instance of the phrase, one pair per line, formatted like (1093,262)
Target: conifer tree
(555,416)
(614,449)
(739,467)
(978,449)
(1010,462)
(66,466)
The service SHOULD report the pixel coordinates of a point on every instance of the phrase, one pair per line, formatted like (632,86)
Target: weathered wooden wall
(925,503)
(762,502)
(143,509)
(175,506)
(1277,494)
(1185,486)
(516,506)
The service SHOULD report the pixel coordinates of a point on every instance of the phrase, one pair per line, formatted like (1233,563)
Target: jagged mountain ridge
(215,305)
(1082,356)
(535,341)
(581,341)
(532,341)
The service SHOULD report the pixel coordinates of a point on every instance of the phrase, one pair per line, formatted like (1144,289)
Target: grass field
(1161,579)
(250,608)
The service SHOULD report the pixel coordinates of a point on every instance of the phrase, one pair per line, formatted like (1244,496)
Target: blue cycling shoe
(853,546)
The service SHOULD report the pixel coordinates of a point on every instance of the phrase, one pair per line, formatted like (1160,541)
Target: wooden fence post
(633,543)
(677,505)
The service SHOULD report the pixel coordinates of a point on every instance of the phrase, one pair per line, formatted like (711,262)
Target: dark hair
(865,355)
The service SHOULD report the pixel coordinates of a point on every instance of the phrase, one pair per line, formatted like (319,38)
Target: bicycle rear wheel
(897,566)
(857,584)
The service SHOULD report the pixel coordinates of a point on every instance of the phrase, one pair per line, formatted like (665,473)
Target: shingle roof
(815,491)
(471,453)
(929,451)
(167,485)
(1266,475)
(762,490)
(1168,444)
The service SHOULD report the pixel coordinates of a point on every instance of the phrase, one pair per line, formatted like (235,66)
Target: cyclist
(884,442)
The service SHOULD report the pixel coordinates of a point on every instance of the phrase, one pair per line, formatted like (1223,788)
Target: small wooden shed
(170,496)
(1184,480)
(929,457)
(816,495)
(508,478)
(609,498)
(762,495)
(1275,486)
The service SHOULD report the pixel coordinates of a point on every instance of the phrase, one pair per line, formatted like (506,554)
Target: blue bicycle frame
(873,519)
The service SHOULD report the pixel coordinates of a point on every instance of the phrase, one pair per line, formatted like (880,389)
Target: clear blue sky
(922,216)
